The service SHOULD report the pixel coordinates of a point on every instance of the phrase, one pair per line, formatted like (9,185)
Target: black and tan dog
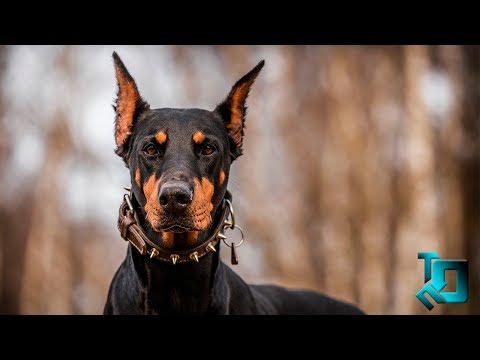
(179,161)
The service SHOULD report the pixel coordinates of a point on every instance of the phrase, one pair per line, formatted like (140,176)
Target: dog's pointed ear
(233,109)
(128,105)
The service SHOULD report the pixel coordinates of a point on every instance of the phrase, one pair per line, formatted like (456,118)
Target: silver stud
(211,248)
(194,256)
(221,236)
(174,258)
(153,253)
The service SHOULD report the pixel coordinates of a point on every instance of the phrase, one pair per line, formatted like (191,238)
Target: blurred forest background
(356,158)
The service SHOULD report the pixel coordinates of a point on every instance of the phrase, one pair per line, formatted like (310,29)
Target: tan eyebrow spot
(161,137)
(222,177)
(198,137)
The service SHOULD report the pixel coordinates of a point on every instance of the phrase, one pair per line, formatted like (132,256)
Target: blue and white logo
(435,280)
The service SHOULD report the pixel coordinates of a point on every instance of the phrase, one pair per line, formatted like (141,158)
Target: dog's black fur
(179,161)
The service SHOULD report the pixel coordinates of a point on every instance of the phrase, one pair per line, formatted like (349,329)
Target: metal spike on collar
(221,236)
(211,248)
(153,253)
(194,256)
(174,258)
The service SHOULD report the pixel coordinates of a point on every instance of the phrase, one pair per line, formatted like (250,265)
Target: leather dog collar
(131,231)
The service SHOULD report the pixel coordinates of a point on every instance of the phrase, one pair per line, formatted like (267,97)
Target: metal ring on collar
(241,241)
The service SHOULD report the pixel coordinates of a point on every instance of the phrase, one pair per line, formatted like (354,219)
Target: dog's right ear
(129,104)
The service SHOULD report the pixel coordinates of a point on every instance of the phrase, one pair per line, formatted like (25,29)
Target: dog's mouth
(176,228)
(178,234)
(182,225)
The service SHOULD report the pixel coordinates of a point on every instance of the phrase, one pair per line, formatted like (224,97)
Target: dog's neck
(174,289)
(180,288)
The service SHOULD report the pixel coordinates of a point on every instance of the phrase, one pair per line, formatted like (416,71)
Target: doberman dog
(179,208)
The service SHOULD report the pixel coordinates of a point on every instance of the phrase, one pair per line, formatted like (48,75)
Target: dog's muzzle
(131,231)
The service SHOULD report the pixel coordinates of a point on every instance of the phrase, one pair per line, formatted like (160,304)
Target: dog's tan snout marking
(153,209)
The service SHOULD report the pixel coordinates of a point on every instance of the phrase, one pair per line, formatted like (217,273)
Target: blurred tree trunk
(470,169)
(14,222)
(3,135)
(48,283)
(397,195)
(14,228)
(418,230)
(447,62)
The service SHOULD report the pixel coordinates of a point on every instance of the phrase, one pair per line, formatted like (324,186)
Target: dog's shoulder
(272,299)
(280,300)
(231,295)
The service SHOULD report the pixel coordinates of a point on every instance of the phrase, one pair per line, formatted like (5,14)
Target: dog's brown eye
(208,149)
(150,150)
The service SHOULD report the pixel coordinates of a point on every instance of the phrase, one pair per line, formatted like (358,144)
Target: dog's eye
(208,149)
(150,149)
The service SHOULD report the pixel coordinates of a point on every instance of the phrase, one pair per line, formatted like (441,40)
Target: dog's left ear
(233,109)
(129,104)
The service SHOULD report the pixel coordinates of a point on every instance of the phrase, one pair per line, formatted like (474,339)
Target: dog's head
(179,159)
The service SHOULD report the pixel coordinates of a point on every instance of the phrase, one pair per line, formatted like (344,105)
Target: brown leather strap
(131,231)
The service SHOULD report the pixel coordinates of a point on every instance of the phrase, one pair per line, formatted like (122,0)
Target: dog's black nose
(175,195)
